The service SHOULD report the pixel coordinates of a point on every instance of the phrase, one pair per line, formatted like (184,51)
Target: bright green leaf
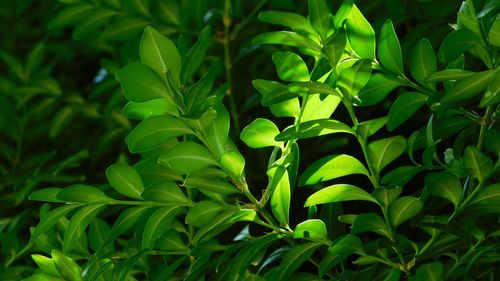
(141,84)
(331,167)
(383,151)
(68,268)
(154,107)
(360,34)
(313,128)
(187,157)
(423,62)
(290,67)
(311,229)
(377,88)
(125,180)
(82,193)
(351,80)
(389,50)
(260,133)
(469,87)
(288,108)
(319,17)
(233,162)
(339,193)
(281,195)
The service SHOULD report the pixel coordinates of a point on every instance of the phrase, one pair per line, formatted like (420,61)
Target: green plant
(187,210)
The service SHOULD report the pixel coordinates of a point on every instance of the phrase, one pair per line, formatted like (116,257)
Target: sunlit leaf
(338,193)
(332,167)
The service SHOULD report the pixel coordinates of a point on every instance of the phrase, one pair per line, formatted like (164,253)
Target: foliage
(382,159)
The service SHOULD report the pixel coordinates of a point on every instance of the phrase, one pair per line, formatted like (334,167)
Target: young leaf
(290,67)
(125,180)
(377,88)
(404,107)
(157,224)
(289,108)
(233,162)
(476,163)
(332,167)
(311,229)
(260,133)
(456,43)
(423,62)
(347,245)
(45,264)
(187,157)
(361,35)
(280,197)
(217,132)
(81,193)
(444,185)
(295,258)
(469,87)
(384,151)
(68,268)
(389,50)
(154,107)
(195,56)
(294,21)
(141,84)
(159,53)
(319,17)
(351,80)
(166,192)
(369,222)
(339,193)
(404,208)
(313,128)
(77,225)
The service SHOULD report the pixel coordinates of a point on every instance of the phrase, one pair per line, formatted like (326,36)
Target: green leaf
(198,93)
(377,88)
(260,133)
(342,13)
(195,56)
(210,180)
(331,167)
(444,185)
(469,87)
(456,43)
(334,47)
(487,200)
(404,107)
(82,193)
(404,208)
(203,212)
(68,268)
(280,197)
(187,157)
(125,221)
(50,219)
(369,222)
(339,193)
(233,162)
(159,53)
(288,108)
(423,62)
(368,128)
(430,272)
(218,131)
(290,67)
(151,171)
(170,241)
(46,194)
(448,74)
(385,196)
(98,232)
(311,229)
(351,80)
(155,131)
(319,17)
(216,226)
(347,245)
(141,84)
(313,128)
(295,258)
(157,224)
(77,225)
(494,34)
(401,175)
(476,163)
(45,264)
(286,38)
(389,50)
(166,192)
(361,35)
(125,180)
(383,151)
(294,21)
(297,89)
(320,107)
(245,215)
(154,107)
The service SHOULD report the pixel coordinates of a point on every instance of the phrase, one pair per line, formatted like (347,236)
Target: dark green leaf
(494,34)
(157,224)
(487,200)
(389,50)
(166,192)
(81,193)
(369,222)
(377,88)
(347,245)
(360,34)
(141,84)
(332,167)
(319,17)
(430,272)
(210,180)
(401,175)
(423,62)
(125,180)
(187,157)
(476,163)
(294,259)
(367,128)
(46,194)
(444,185)
(77,225)
(456,43)
(195,56)
(404,107)
(469,87)
(338,193)
(404,208)
(125,221)
(384,151)
(159,53)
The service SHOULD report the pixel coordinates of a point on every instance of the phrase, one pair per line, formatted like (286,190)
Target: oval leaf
(339,193)
(332,167)
(187,157)
(125,180)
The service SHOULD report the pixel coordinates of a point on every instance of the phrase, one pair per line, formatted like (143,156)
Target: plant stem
(485,122)
(250,16)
